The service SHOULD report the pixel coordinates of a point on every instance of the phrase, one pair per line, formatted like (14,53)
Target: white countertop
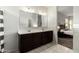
(31,31)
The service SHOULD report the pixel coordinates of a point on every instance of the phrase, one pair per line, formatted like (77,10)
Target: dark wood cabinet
(46,37)
(24,42)
(30,41)
(36,40)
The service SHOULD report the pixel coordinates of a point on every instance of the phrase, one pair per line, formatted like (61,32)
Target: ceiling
(66,10)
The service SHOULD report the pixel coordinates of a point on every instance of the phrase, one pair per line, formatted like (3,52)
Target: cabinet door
(36,40)
(50,36)
(46,37)
(26,43)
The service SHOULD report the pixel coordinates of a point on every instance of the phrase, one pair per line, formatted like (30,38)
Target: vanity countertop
(32,31)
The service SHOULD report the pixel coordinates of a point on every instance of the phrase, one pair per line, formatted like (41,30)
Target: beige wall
(76,29)
(52,21)
(11,17)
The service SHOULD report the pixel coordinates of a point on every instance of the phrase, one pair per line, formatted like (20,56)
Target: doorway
(65,26)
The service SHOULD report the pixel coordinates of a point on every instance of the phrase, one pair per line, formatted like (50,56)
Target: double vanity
(32,40)
(33,31)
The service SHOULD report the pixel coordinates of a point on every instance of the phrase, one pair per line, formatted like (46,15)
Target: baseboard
(11,51)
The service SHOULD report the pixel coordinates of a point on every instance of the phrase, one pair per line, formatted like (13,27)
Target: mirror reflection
(29,20)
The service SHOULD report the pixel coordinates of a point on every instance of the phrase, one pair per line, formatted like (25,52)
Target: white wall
(52,21)
(11,17)
(76,28)
(60,18)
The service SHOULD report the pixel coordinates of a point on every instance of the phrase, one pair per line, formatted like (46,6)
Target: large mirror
(32,20)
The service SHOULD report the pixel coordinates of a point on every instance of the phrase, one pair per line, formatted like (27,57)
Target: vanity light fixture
(28,10)
(41,12)
(32,10)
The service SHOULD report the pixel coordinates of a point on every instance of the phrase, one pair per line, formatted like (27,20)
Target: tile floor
(52,48)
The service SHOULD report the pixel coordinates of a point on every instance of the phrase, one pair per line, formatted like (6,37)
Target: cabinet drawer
(26,36)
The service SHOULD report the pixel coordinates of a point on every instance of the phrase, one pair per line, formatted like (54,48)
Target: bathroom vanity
(29,41)
(33,30)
